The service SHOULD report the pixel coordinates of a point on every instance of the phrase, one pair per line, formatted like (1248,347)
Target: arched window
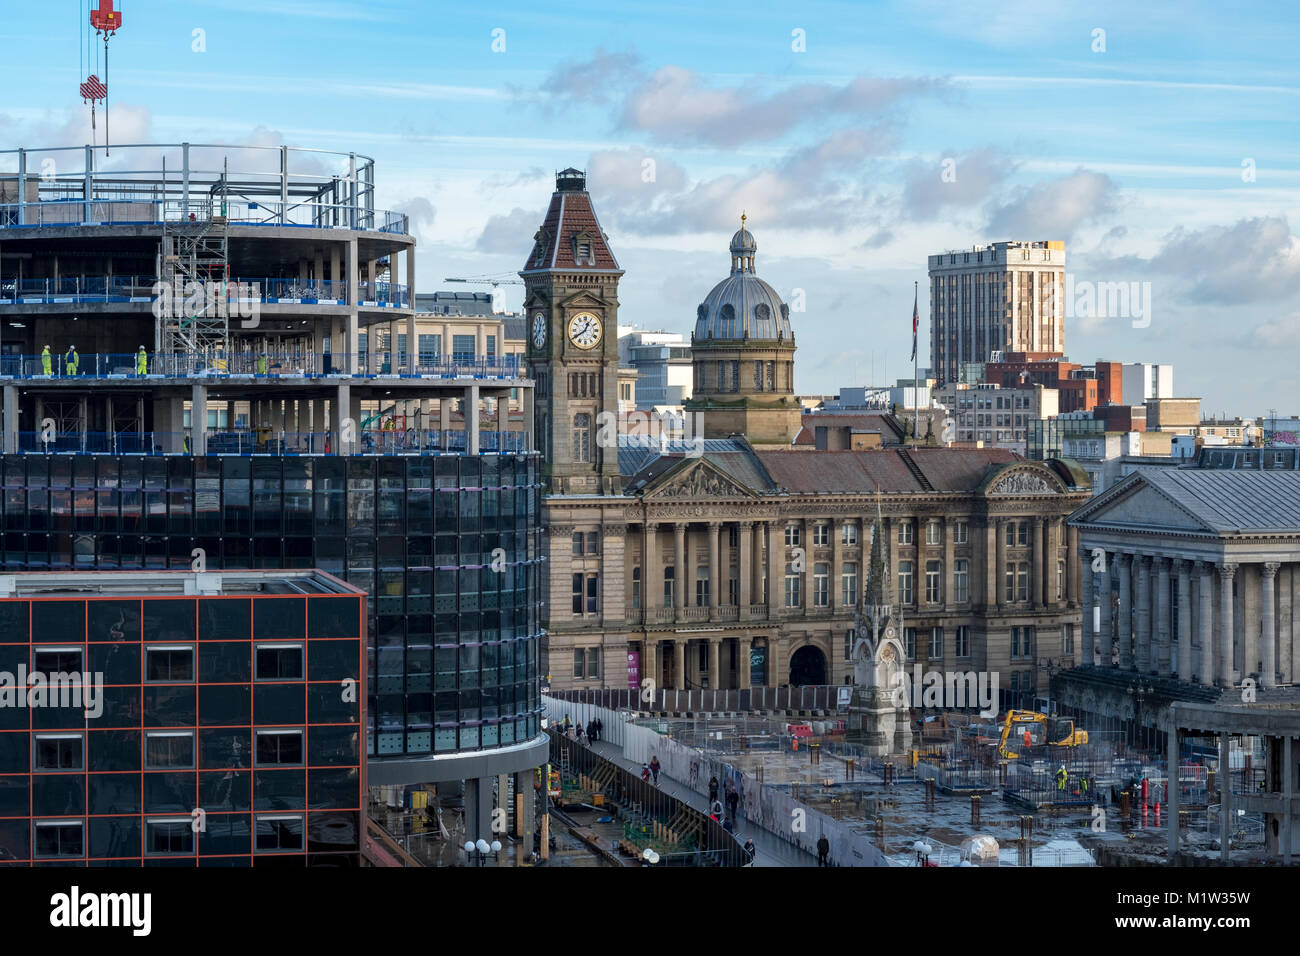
(763,325)
(582,437)
(727,322)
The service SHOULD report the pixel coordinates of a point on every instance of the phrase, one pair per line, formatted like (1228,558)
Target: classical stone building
(736,560)
(1196,573)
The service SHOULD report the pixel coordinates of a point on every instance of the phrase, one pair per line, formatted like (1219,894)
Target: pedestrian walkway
(772,850)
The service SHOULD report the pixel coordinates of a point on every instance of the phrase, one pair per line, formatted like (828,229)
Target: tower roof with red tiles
(570,237)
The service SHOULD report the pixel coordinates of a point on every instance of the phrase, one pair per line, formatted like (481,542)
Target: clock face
(584,330)
(539,330)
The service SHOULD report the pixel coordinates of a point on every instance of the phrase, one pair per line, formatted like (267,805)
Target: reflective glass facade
(222,736)
(446,546)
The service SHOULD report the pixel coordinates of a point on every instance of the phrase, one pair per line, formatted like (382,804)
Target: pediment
(697,479)
(1024,479)
(1145,505)
(584,300)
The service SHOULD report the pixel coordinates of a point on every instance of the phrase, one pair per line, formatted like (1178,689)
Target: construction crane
(105,22)
(1025,730)
(503,278)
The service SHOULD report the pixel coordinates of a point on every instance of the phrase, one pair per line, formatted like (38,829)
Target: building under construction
(189,381)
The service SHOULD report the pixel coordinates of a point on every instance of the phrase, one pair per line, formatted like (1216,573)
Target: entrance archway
(807,666)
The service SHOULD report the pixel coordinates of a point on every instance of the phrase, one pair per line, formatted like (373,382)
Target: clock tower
(571,308)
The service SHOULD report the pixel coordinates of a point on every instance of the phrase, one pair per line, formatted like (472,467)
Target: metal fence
(264,441)
(824,697)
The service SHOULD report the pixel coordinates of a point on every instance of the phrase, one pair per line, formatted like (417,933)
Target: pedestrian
(728,825)
(600,728)
(713,789)
(591,731)
(46,361)
(577,730)
(70,361)
(823,851)
(715,811)
(645,772)
(654,768)
(141,362)
(566,723)
(751,851)
(1061,776)
(733,798)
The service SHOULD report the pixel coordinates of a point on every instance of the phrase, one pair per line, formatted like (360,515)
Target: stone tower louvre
(571,304)
(743,353)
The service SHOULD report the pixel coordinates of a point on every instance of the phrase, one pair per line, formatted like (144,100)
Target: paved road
(772,850)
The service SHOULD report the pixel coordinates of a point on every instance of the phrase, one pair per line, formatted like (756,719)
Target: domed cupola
(743,355)
(742,306)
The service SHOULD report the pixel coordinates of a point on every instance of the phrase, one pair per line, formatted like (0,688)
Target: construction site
(1027,789)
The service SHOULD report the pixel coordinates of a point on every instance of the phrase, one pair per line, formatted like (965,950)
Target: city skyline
(839,158)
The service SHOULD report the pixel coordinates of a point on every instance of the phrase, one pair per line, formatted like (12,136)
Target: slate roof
(892,470)
(1230,501)
(569,214)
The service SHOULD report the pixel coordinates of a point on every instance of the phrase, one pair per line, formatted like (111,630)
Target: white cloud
(1055,209)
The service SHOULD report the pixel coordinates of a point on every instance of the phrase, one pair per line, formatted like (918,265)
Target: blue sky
(1132,155)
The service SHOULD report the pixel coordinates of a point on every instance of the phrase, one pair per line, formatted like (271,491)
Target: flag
(916,317)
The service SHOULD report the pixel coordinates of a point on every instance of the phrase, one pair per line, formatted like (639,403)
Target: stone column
(1285,625)
(1268,624)
(652,575)
(745,558)
(950,562)
(1162,662)
(1001,582)
(680,576)
(834,588)
(1184,620)
(679,664)
(775,567)
(1142,608)
(1205,621)
(742,662)
(761,535)
(1073,575)
(714,646)
(1124,610)
(1248,620)
(1226,573)
(715,566)
(1036,535)
(805,578)
(1088,636)
(990,564)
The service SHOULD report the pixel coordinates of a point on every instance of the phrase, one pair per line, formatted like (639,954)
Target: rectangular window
(636,588)
(933,582)
(821,584)
(1010,589)
(169,750)
(579,663)
(430,349)
(60,838)
(1060,581)
(961,532)
(592,542)
(936,643)
(1022,582)
(169,662)
(821,534)
(1015,642)
(963,641)
(669,575)
(491,346)
(57,660)
(909,643)
(593,663)
(593,592)
(733,586)
(791,586)
(702,586)
(577,544)
(279,661)
(905,532)
(281,833)
(905,582)
(279,748)
(1022,534)
(849,585)
(1028,638)
(462,349)
(1067,640)
(848,533)
(733,535)
(1011,534)
(58,752)
(933,533)
(961,580)
(169,836)
(792,536)
(586,588)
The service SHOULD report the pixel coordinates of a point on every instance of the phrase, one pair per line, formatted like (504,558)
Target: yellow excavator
(1026,730)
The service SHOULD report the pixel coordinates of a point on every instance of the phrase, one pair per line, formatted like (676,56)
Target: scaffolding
(194,256)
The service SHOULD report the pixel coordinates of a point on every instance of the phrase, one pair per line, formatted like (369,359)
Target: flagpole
(916,352)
